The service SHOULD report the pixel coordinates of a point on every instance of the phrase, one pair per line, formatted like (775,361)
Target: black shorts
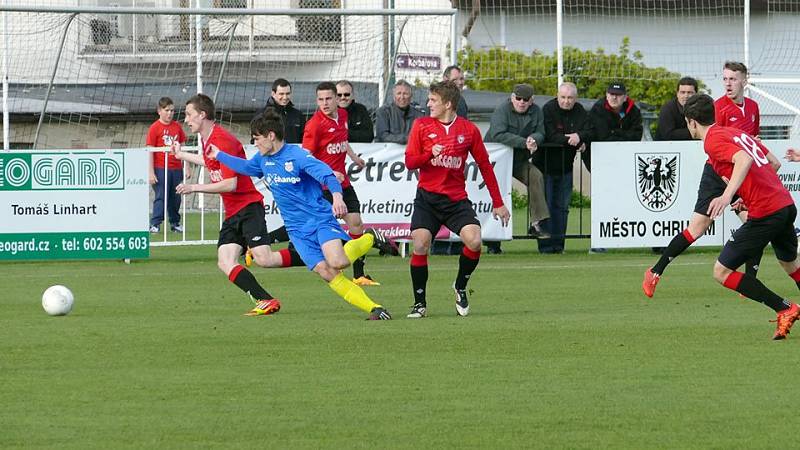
(431,211)
(350,199)
(247,228)
(751,238)
(711,186)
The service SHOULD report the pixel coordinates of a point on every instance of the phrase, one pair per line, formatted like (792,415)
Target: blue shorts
(309,244)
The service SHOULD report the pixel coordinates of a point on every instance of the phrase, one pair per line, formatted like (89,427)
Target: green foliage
(520,200)
(497,69)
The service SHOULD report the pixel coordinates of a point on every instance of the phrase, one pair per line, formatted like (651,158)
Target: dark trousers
(558,192)
(173,179)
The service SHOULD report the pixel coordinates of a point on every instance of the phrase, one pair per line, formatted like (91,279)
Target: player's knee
(473,243)
(225,266)
(698,225)
(721,273)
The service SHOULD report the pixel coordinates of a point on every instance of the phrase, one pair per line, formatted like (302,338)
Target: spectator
(359,123)
(616,117)
(393,122)
(281,100)
(456,75)
(162,133)
(671,123)
(568,129)
(519,123)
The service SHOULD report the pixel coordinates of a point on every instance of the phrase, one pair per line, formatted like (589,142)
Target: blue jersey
(295,179)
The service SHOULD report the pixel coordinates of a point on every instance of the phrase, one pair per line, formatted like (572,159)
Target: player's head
(268,131)
(567,96)
(199,112)
(443,100)
(282,91)
(402,94)
(344,93)
(166,110)
(326,98)
(522,98)
(616,95)
(699,113)
(454,74)
(734,79)
(687,87)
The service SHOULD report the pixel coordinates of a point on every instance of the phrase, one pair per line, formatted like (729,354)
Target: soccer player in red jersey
(244,223)
(741,159)
(730,110)
(438,146)
(326,137)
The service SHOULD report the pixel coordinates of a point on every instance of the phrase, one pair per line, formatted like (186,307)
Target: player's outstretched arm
(321,172)
(226,185)
(193,158)
(251,167)
(792,155)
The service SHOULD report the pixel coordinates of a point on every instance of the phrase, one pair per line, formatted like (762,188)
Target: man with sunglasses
(359,123)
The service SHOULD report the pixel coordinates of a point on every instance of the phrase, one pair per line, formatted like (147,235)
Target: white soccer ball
(57,300)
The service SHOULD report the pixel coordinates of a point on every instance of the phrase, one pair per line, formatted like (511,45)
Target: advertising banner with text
(643,193)
(386,190)
(74,204)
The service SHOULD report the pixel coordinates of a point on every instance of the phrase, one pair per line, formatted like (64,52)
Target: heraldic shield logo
(657,179)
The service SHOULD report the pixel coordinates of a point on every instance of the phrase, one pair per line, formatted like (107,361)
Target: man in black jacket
(568,129)
(281,101)
(616,117)
(671,123)
(359,123)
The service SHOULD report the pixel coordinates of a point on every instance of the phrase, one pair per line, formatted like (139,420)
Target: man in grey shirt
(393,121)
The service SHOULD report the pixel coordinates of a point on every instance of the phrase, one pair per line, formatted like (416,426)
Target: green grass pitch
(559,351)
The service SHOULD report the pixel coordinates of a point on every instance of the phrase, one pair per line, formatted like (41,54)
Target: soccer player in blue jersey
(295,177)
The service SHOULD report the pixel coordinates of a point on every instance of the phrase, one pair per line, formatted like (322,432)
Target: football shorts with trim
(750,239)
(247,228)
(432,210)
(309,244)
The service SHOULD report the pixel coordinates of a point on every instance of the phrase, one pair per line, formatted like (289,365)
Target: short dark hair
(448,91)
(449,69)
(736,67)
(203,103)
(280,82)
(163,102)
(326,86)
(700,107)
(688,81)
(269,120)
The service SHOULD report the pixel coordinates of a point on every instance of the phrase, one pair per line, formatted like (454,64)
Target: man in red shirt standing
(162,133)
(741,160)
(730,110)
(244,224)
(326,136)
(438,146)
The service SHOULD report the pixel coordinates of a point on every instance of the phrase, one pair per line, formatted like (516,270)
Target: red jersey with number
(245,193)
(327,140)
(161,135)
(444,174)
(762,190)
(745,117)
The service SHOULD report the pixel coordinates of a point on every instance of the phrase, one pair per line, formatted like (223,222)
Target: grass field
(559,351)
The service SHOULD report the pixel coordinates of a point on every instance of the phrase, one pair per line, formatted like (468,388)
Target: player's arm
(354,157)
(321,172)
(741,165)
(250,167)
(481,156)
(186,156)
(416,156)
(773,161)
(792,155)
(226,185)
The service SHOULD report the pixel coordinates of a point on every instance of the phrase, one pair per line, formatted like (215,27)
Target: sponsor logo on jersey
(432,135)
(336,148)
(272,179)
(657,179)
(447,161)
(331,130)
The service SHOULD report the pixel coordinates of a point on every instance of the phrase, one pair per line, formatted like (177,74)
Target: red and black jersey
(327,140)
(762,191)
(745,117)
(161,135)
(245,192)
(444,174)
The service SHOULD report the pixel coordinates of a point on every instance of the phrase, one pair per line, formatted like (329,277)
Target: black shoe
(462,303)
(384,245)
(493,248)
(379,313)
(536,232)
(418,311)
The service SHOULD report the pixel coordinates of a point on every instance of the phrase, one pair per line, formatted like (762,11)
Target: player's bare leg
(421,242)
(331,271)
(467,262)
(698,225)
(227,261)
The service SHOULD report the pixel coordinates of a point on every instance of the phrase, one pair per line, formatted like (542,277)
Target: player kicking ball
(438,146)
(741,159)
(295,177)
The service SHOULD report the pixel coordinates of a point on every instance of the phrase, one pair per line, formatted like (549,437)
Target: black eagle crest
(657,177)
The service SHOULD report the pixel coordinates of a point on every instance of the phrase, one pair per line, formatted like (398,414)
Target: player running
(438,146)
(741,159)
(731,110)
(295,179)
(244,223)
